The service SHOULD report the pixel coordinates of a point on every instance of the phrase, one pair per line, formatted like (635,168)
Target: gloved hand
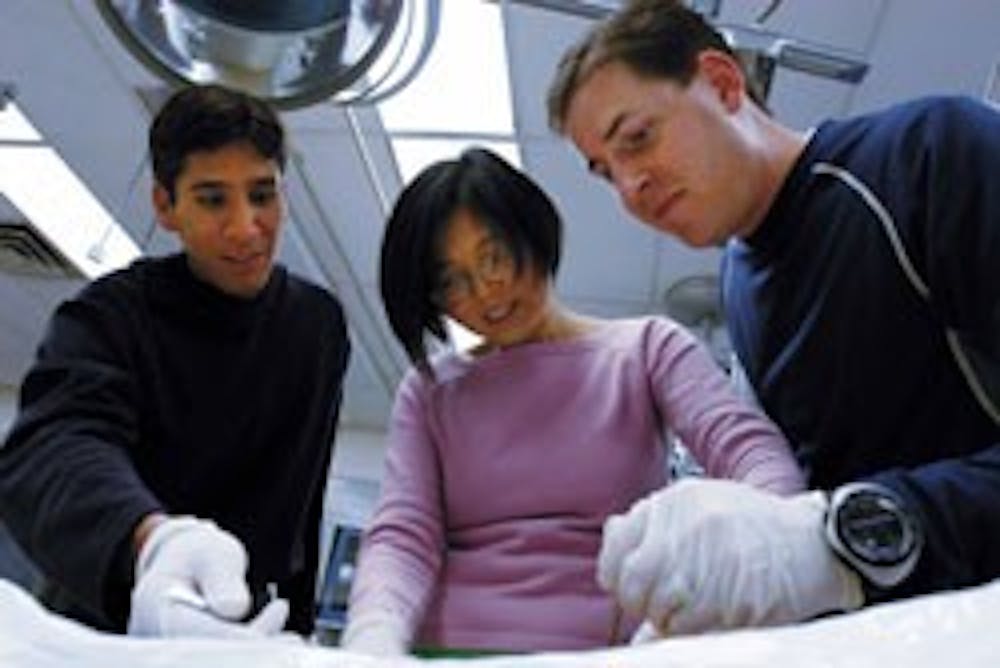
(705,554)
(190,581)
(376,634)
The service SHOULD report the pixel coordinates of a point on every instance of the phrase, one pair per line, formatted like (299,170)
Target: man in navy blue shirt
(861,293)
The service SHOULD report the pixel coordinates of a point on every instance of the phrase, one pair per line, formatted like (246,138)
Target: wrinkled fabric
(956,629)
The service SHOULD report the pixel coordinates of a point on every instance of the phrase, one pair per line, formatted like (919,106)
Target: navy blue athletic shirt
(866,312)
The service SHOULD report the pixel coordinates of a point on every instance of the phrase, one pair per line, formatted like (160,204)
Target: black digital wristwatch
(869,527)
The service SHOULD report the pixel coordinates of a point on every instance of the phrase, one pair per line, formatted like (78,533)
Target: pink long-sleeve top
(501,470)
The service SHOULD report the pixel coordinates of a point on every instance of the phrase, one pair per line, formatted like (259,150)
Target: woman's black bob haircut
(509,203)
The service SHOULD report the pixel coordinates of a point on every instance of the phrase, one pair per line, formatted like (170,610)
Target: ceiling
(91,101)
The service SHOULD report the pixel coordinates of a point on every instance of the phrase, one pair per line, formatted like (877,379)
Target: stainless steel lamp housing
(291,52)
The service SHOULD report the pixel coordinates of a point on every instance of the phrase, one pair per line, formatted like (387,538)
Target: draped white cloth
(957,629)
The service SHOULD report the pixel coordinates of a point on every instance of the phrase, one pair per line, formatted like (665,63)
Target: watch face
(874,528)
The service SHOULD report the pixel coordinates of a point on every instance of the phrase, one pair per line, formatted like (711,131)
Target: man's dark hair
(509,203)
(208,117)
(655,38)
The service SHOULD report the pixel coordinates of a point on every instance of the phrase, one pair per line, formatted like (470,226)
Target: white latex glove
(706,554)
(190,581)
(646,632)
(376,634)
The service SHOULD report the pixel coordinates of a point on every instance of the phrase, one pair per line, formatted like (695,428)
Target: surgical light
(292,52)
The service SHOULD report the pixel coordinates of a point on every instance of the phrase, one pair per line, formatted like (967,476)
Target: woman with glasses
(504,461)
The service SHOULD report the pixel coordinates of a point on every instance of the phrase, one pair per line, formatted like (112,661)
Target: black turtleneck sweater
(152,391)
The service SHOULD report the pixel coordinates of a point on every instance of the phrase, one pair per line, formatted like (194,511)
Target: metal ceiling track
(749,40)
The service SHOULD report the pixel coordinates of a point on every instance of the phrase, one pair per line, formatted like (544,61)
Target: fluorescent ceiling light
(14,126)
(429,121)
(469,57)
(61,208)
(37,181)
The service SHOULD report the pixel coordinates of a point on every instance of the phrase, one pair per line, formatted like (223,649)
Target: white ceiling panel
(369,390)
(802,100)
(331,177)
(536,40)
(325,117)
(78,102)
(846,24)
(605,254)
(929,47)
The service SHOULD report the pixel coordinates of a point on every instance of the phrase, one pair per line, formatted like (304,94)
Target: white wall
(355,473)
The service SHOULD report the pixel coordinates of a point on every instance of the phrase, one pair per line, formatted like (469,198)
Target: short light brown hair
(655,38)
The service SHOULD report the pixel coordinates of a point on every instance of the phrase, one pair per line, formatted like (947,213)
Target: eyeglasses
(495,264)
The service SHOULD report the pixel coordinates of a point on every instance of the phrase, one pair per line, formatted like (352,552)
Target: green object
(456,653)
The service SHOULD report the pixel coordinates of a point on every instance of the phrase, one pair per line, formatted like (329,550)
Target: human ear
(724,74)
(163,205)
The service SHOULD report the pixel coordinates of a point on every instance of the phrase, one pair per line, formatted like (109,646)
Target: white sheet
(956,629)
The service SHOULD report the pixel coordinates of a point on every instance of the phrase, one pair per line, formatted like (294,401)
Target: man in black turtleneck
(168,462)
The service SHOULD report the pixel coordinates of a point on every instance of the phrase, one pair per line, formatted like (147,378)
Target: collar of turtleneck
(775,233)
(177,290)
